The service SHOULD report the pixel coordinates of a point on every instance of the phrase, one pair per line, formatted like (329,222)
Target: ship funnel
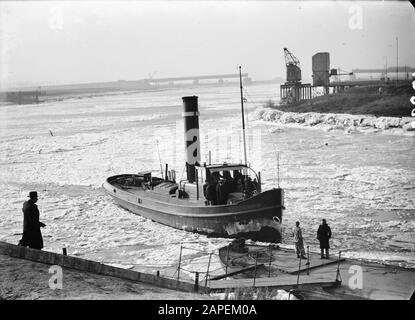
(191,136)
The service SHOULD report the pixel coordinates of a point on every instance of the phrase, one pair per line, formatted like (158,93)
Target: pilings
(295,91)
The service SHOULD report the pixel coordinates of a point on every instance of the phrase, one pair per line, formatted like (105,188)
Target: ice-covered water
(362,183)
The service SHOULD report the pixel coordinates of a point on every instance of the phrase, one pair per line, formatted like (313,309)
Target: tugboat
(219,200)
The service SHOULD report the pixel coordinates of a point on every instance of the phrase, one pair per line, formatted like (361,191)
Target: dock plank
(283,260)
(283,282)
(229,274)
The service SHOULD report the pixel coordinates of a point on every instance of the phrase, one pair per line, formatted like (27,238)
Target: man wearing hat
(323,235)
(32,237)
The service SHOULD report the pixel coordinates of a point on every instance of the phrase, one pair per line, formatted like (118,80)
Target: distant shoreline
(81,91)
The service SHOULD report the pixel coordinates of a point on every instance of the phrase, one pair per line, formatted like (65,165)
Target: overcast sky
(73,41)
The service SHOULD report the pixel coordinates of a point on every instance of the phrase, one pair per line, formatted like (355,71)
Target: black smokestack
(191,136)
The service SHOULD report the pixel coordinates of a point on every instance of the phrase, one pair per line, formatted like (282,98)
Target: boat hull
(258,218)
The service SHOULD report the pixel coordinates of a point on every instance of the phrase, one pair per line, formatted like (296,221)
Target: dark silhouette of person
(237,177)
(32,237)
(221,194)
(256,185)
(323,235)
(249,186)
(229,182)
(209,191)
(239,186)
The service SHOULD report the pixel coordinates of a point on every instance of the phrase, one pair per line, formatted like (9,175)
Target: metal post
(207,272)
(227,259)
(256,262)
(396,60)
(180,261)
(196,289)
(338,267)
(197,183)
(64,251)
(243,120)
(259,182)
(270,260)
(158,273)
(298,274)
(308,260)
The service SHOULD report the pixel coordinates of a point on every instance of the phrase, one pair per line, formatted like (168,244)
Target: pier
(327,279)
(70,262)
(21,96)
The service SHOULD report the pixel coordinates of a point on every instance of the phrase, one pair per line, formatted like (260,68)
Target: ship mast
(243,119)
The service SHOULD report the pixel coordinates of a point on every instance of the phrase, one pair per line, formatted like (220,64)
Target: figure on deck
(299,242)
(32,237)
(239,186)
(249,187)
(221,192)
(255,185)
(323,235)
(229,182)
(209,191)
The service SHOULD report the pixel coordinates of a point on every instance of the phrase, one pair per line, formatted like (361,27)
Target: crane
(290,59)
(293,67)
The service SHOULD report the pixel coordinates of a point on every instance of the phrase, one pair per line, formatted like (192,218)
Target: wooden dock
(286,262)
(286,282)
(52,258)
(276,260)
(274,268)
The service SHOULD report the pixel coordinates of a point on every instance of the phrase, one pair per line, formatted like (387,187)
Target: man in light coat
(298,240)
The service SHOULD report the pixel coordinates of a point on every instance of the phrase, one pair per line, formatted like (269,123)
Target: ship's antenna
(158,151)
(243,118)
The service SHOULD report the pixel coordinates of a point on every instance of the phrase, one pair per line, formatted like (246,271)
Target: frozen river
(362,183)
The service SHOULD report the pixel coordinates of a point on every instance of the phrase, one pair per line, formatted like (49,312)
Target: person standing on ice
(32,237)
(323,235)
(299,242)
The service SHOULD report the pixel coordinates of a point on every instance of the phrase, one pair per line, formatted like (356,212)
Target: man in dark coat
(323,235)
(32,237)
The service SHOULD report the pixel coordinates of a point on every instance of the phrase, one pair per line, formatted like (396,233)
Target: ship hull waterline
(257,218)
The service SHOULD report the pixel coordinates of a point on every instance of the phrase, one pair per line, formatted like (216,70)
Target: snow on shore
(332,121)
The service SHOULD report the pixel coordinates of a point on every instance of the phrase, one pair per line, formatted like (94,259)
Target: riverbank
(393,102)
(360,109)
(337,121)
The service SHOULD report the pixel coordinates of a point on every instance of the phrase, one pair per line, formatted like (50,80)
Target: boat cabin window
(223,185)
